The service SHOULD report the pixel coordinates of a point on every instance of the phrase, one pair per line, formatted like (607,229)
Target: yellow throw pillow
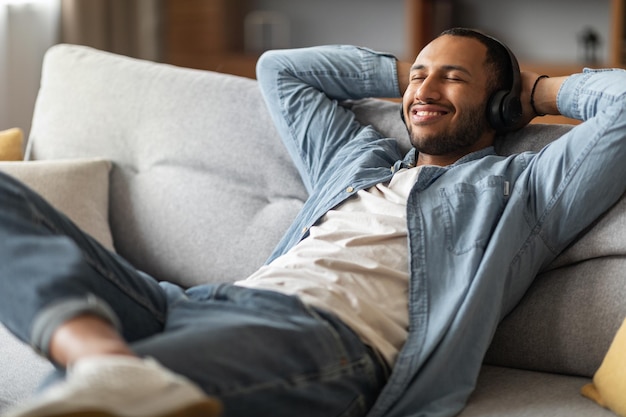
(609,382)
(11,145)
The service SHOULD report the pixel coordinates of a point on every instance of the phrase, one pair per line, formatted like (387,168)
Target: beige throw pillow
(78,187)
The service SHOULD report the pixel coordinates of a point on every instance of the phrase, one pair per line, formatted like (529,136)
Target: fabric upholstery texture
(508,392)
(196,160)
(22,370)
(79,188)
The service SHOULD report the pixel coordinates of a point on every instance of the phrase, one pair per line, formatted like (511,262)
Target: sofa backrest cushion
(201,186)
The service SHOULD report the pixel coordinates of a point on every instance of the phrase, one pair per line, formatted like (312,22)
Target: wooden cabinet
(207,34)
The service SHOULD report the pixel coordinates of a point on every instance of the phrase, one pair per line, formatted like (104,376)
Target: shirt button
(349,189)
(304,230)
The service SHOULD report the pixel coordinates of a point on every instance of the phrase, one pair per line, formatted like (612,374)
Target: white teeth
(427,113)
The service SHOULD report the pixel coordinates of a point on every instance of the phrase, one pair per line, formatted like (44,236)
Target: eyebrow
(446,68)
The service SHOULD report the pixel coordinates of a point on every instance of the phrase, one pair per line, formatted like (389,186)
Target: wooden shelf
(230,63)
(207,34)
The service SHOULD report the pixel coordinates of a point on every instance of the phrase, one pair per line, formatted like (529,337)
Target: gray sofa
(196,187)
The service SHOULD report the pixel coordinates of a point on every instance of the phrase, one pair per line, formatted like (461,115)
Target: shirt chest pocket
(470,212)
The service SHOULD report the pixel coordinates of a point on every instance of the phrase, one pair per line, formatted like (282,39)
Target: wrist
(403,72)
(533,103)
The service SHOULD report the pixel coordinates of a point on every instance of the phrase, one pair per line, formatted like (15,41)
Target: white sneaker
(121,386)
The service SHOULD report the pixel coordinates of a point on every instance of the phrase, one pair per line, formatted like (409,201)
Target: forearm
(578,96)
(302,88)
(544,96)
(403,71)
(585,167)
(586,95)
(341,72)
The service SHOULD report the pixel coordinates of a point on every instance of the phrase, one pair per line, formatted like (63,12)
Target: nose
(428,91)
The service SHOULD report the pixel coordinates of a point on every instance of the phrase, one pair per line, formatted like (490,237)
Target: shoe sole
(209,408)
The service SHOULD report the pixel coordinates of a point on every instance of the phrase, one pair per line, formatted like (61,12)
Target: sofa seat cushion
(609,382)
(520,393)
(22,370)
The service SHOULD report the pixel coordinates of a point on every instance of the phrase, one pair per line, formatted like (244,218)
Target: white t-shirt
(354,263)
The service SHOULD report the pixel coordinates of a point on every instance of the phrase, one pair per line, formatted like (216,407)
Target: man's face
(444,105)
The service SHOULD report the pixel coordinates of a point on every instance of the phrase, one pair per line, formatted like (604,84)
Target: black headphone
(504,108)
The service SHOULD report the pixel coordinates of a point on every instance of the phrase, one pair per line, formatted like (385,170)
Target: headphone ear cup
(504,111)
(511,110)
(494,110)
(504,108)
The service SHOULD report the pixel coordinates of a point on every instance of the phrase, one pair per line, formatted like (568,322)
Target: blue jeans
(262,353)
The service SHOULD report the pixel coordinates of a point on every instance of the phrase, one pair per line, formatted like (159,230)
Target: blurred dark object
(589,40)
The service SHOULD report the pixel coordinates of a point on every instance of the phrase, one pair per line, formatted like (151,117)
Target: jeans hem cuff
(53,316)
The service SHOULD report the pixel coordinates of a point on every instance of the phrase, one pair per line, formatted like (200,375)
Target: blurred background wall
(29,27)
(227,35)
(127,27)
(27,30)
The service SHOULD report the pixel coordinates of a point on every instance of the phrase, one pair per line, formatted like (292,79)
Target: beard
(462,135)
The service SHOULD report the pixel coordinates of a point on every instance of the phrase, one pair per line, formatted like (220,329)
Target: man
(385,292)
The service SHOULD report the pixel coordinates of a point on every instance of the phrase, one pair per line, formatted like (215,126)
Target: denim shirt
(479,230)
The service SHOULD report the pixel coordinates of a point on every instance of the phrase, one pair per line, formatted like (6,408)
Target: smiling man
(383,296)
(446,99)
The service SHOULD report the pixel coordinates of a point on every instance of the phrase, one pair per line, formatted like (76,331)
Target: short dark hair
(497,57)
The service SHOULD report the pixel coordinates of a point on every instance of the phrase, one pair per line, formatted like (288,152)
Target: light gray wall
(540,30)
(536,30)
(378,24)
